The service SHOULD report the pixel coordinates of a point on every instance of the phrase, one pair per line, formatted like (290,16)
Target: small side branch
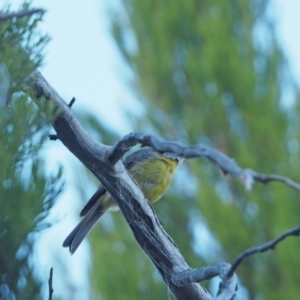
(20,14)
(225,163)
(228,285)
(265,247)
(53,137)
(199,275)
(72,102)
(51,290)
(272,177)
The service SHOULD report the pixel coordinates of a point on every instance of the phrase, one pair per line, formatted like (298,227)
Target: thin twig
(20,14)
(265,247)
(72,102)
(53,137)
(51,290)
(265,178)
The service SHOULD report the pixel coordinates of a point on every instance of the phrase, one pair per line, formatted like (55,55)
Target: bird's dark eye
(172,156)
(175,158)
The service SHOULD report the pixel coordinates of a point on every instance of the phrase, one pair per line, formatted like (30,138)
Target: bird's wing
(100,192)
(128,163)
(138,156)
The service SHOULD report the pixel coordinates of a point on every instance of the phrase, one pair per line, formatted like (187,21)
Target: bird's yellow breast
(154,176)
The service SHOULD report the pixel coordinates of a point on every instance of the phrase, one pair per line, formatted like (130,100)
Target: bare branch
(51,290)
(139,214)
(272,177)
(72,102)
(104,162)
(225,163)
(198,275)
(265,247)
(20,14)
(228,285)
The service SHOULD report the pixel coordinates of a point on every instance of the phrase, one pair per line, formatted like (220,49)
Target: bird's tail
(75,238)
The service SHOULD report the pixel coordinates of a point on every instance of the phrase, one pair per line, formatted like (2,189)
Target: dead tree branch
(227,273)
(136,209)
(50,286)
(20,14)
(265,247)
(199,275)
(104,162)
(228,285)
(225,163)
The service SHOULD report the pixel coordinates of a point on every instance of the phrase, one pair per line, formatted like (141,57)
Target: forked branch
(140,216)
(104,162)
(225,163)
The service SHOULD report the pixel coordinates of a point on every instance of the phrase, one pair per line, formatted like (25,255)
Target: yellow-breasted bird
(153,171)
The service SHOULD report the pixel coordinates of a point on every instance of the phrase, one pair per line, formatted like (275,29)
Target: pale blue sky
(287,14)
(82,61)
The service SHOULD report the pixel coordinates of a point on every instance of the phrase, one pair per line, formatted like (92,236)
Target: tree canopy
(206,71)
(27,191)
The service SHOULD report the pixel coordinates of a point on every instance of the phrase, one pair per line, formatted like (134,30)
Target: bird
(153,171)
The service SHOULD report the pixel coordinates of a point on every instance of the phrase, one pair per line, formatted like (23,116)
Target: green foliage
(26,196)
(210,72)
(27,193)
(21,46)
